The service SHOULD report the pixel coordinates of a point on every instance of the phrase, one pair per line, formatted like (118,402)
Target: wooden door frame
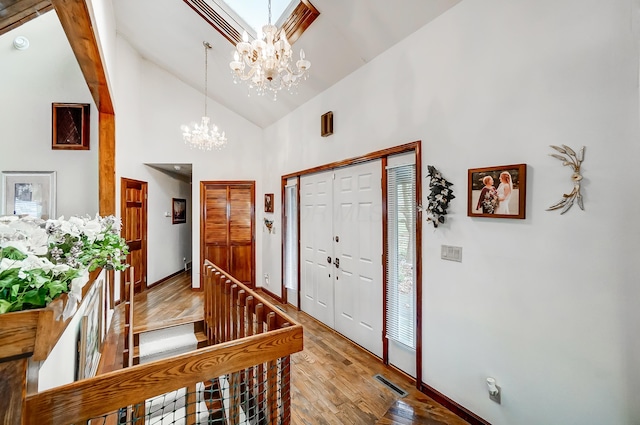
(203,204)
(123,208)
(416,148)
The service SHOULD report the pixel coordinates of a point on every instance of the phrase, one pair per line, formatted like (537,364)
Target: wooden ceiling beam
(18,12)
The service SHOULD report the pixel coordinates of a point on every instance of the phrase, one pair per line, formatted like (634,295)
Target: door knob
(329,260)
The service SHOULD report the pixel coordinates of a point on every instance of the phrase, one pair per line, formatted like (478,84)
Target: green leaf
(5,306)
(12,253)
(34,298)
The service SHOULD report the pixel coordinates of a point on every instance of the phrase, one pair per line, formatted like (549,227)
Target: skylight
(256,13)
(232,17)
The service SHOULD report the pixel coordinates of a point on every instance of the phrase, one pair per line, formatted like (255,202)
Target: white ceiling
(346,35)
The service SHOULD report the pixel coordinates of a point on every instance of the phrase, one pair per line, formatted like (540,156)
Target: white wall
(546,305)
(31,80)
(152,105)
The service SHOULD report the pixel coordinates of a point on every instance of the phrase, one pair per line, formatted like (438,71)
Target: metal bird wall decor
(573,160)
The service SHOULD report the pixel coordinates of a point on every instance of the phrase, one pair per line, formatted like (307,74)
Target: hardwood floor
(332,379)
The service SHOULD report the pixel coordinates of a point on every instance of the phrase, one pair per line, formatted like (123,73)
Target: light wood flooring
(332,378)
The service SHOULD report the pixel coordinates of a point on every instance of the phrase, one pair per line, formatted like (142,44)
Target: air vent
(393,387)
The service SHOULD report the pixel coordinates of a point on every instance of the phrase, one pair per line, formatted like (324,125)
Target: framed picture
(90,346)
(29,193)
(70,126)
(498,192)
(179,211)
(268,202)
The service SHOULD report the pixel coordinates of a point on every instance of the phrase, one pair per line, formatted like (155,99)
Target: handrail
(90,398)
(103,394)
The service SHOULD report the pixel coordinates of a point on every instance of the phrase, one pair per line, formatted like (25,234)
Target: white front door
(316,281)
(341,251)
(358,249)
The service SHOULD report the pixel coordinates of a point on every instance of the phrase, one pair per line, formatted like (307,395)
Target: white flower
(92,230)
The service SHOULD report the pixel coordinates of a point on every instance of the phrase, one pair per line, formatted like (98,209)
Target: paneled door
(357,246)
(341,251)
(227,227)
(133,208)
(316,246)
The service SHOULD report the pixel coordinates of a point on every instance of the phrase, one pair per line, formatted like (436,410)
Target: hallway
(332,379)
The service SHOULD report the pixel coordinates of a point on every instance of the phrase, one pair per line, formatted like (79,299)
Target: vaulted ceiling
(346,35)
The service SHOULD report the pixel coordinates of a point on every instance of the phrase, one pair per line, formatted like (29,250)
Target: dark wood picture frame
(485,183)
(268,202)
(70,126)
(178,211)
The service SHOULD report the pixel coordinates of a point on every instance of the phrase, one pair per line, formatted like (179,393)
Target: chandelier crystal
(265,63)
(204,136)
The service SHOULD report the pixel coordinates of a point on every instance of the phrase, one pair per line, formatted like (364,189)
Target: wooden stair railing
(94,397)
(233,311)
(249,359)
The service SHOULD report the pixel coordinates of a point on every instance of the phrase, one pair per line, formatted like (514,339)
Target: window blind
(401,220)
(291,241)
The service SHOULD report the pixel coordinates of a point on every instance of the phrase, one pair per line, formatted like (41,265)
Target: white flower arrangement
(41,260)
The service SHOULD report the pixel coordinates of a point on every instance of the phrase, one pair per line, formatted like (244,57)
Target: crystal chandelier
(202,136)
(265,63)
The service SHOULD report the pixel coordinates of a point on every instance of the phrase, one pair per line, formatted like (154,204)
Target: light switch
(451,253)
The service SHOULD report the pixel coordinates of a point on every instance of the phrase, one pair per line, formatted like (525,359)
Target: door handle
(337,263)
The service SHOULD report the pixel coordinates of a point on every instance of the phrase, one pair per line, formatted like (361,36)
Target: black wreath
(439,197)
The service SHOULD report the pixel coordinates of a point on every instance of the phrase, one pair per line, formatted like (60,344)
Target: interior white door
(316,282)
(358,251)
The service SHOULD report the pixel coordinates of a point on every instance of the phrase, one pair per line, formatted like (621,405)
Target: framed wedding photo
(268,202)
(179,211)
(497,192)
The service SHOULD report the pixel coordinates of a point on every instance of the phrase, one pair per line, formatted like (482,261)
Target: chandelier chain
(269,12)
(206,73)
(205,135)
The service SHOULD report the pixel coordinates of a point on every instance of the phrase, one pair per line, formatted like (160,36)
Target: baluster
(272,377)
(234,312)
(285,385)
(260,372)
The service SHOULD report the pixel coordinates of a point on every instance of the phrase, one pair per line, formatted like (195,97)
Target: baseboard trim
(164,279)
(271,294)
(456,408)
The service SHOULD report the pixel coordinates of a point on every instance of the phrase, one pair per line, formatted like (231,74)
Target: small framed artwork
(179,211)
(268,202)
(497,192)
(70,126)
(90,346)
(29,193)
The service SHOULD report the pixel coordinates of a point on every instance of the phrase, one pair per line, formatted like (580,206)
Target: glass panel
(401,255)
(256,14)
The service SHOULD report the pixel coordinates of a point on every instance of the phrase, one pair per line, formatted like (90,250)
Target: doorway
(341,243)
(227,227)
(133,210)
(321,266)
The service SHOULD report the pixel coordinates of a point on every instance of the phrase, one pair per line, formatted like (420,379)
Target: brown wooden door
(133,208)
(227,227)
